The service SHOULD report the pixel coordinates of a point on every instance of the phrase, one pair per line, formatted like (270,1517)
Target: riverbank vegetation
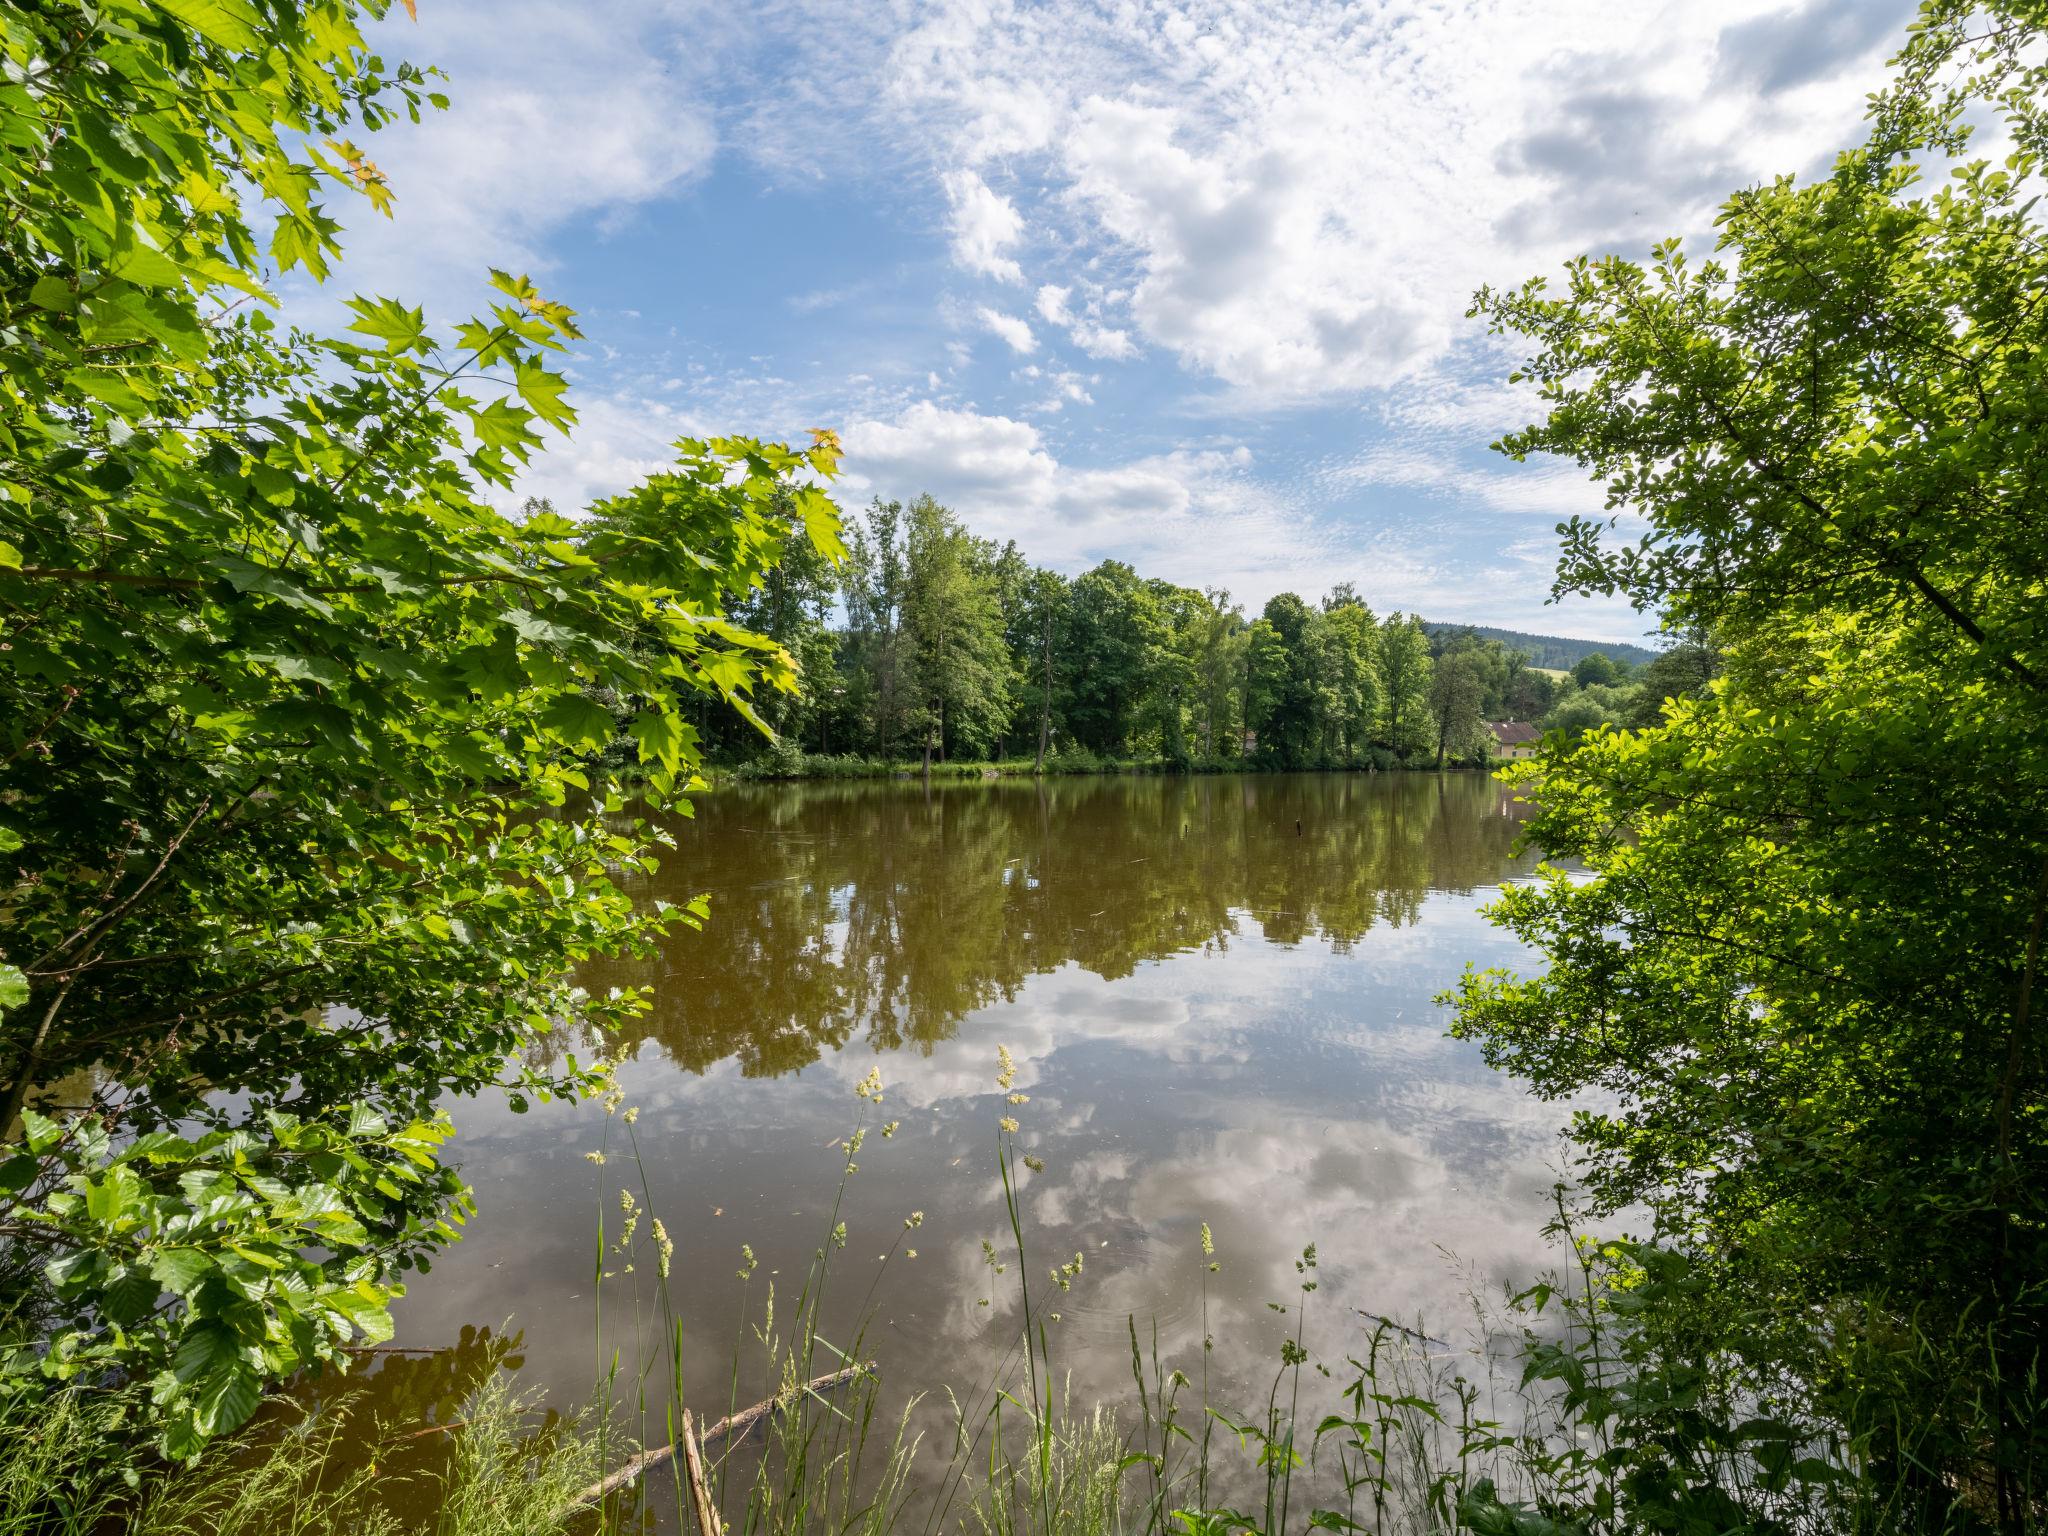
(930,645)
(311,802)
(1806,969)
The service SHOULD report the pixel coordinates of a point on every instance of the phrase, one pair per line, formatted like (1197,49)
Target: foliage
(999,660)
(299,736)
(1805,971)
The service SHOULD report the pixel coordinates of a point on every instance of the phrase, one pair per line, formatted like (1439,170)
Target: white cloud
(1095,339)
(1011,329)
(558,117)
(1202,516)
(1301,199)
(985,224)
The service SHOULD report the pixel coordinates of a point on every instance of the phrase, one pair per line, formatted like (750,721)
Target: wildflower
(1035,1164)
(839,1235)
(914,1219)
(870,1087)
(1208,1242)
(1053,1316)
(1008,1074)
(631,1115)
(1020,1098)
(910,1253)
(594,1157)
(988,1256)
(1008,1123)
(890,1129)
(747,1261)
(614,1099)
(853,1142)
(664,1248)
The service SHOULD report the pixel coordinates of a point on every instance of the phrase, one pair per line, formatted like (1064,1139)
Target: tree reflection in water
(888,911)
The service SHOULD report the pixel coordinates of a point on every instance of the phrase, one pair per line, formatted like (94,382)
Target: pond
(1218,994)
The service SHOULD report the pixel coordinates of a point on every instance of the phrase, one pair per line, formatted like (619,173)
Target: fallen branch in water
(700,1495)
(733,1424)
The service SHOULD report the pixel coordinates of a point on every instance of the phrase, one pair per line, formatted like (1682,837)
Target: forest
(929,643)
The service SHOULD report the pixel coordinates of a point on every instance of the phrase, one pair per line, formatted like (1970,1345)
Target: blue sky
(1176,281)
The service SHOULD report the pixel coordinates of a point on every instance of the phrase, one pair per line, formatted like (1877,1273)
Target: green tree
(953,625)
(1805,970)
(302,745)
(1112,635)
(1595,668)
(1455,696)
(1218,650)
(1352,665)
(1404,683)
(884,662)
(1291,706)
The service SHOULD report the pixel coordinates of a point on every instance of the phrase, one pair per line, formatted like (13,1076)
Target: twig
(732,1424)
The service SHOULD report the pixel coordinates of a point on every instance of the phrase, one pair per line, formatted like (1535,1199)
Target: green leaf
(43,1133)
(226,1398)
(388,321)
(51,292)
(145,267)
(13,986)
(206,1349)
(578,721)
(231,23)
(180,1269)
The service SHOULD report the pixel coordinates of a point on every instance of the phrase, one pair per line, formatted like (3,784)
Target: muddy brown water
(1219,994)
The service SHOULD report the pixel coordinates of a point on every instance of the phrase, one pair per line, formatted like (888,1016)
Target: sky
(1176,282)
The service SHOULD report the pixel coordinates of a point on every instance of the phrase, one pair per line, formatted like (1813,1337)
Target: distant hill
(1551,650)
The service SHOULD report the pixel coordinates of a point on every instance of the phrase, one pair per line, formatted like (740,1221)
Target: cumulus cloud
(1016,332)
(985,224)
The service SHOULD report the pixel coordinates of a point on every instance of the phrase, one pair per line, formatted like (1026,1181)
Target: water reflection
(1220,997)
(887,912)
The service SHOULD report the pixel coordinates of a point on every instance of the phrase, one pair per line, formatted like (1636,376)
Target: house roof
(1513,733)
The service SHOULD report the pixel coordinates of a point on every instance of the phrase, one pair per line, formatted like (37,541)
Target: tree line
(930,643)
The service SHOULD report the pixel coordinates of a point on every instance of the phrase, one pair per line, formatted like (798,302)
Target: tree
(1595,667)
(877,587)
(953,625)
(1404,682)
(304,783)
(1111,633)
(1289,721)
(1352,651)
(1041,615)
(1455,695)
(1218,646)
(1805,968)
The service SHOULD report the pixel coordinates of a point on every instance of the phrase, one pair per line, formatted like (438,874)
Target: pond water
(1219,997)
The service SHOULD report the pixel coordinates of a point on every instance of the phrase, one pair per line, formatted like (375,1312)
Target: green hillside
(1551,650)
